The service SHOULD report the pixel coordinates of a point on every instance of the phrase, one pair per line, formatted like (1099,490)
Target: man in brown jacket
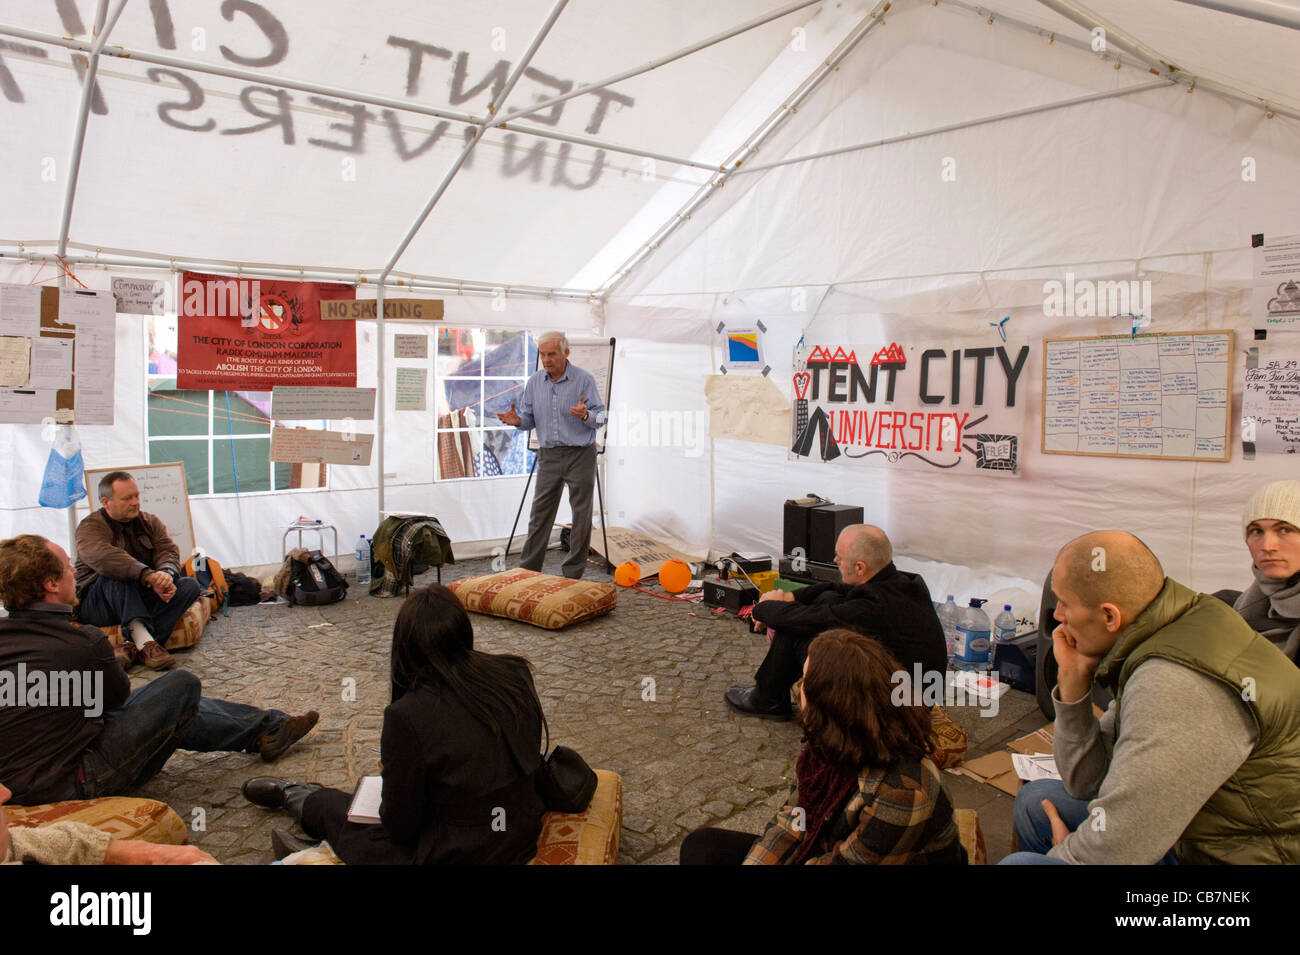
(128,572)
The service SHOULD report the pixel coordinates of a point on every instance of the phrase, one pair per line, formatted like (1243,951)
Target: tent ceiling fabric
(209,167)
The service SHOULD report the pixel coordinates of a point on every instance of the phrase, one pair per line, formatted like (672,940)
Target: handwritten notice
(1159,396)
(307,403)
(411,389)
(139,296)
(1270,406)
(320,447)
(15,361)
(411,346)
(410,309)
(20,310)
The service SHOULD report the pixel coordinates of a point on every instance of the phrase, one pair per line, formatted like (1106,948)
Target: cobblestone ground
(638,691)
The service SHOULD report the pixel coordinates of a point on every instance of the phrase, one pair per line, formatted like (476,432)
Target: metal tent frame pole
(1262,10)
(751,145)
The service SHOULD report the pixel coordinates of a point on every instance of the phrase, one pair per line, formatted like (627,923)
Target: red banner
(251,334)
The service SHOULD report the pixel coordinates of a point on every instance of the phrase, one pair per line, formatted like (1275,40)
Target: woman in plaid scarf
(866,791)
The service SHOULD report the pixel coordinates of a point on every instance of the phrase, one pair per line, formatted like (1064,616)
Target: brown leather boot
(155,657)
(275,744)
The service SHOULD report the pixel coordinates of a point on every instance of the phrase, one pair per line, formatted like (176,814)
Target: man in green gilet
(1198,758)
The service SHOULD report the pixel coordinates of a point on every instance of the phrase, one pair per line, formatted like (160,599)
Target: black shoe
(285,843)
(749,702)
(275,744)
(265,791)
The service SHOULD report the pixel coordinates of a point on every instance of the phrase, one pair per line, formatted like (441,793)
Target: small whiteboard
(597,358)
(163,493)
(1145,396)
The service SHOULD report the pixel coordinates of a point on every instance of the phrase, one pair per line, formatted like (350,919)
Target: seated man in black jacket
(71,727)
(873,597)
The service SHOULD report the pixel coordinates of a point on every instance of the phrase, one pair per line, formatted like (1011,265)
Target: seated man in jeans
(70,725)
(128,572)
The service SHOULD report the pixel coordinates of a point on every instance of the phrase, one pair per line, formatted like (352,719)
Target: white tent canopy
(868,172)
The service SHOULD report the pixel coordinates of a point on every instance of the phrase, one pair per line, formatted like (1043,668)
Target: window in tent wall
(223,437)
(478,372)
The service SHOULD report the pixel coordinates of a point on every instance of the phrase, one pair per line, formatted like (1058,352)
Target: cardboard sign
(351,310)
(304,403)
(320,447)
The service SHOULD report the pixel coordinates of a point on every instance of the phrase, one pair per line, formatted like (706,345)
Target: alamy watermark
(924,687)
(82,689)
(1085,298)
(657,428)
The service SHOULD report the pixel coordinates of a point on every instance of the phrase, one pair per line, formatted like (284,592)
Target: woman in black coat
(460,745)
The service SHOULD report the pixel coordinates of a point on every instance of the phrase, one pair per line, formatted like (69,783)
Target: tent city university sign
(263,42)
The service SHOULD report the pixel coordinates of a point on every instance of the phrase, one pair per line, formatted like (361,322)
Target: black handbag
(564,781)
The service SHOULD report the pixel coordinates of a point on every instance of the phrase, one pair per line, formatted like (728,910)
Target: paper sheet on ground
(648,553)
(747,408)
(1031,767)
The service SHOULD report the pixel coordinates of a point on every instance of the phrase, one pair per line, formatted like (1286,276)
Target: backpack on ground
(315,581)
(244,590)
(211,578)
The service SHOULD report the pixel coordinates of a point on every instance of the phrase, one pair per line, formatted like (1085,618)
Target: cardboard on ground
(321,447)
(648,553)
(997,770)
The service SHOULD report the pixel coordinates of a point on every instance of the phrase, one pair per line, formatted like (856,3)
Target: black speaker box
(796,523)
(824,526)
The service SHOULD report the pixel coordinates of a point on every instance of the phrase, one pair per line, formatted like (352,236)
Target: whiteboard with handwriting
(1144,396)
(163,493)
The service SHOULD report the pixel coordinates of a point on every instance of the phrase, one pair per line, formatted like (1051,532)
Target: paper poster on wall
(254,334)
(1270,406)
(51,364)
(15,361)
(742,348)
(913,406)
(410,346)
(20,310)
(1145,396)
(1277,281)
(411,389)
(139,296)
(321,447)
(747,408)
(94,356)
(306,403)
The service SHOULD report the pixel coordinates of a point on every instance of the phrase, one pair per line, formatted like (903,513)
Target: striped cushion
(540,599)
(948,738)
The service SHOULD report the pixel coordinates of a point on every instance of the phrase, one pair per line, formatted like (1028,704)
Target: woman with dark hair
(866,791)
(460,744)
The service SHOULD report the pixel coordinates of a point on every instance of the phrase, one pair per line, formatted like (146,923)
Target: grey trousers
(556,468)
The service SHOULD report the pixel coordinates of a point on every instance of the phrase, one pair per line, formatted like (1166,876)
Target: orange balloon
(675,576)
(627,574)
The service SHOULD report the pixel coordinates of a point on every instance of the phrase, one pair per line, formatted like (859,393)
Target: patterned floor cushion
(540,599)
(186,633)
(971,835)
(585,838)
(121,816)
(949,739)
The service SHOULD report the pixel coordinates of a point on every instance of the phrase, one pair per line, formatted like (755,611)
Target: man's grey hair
(554,336)
(108,480)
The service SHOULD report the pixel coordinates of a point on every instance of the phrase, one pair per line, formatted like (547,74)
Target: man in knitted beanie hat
(1271,605)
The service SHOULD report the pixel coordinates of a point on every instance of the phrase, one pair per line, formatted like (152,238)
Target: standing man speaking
(563,403)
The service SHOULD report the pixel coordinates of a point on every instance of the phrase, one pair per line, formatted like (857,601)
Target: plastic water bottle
(948,614)
(363,560)
(1004,631)
(971,649)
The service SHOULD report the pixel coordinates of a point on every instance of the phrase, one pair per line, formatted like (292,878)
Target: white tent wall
(1145,186)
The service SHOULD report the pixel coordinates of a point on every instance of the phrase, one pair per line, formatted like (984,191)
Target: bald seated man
(873,597)
(1198,758)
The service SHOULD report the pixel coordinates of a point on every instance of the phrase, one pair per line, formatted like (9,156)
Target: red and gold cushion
(540,599)
(949,740)
(122,817)
(186,633)
(589,837)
